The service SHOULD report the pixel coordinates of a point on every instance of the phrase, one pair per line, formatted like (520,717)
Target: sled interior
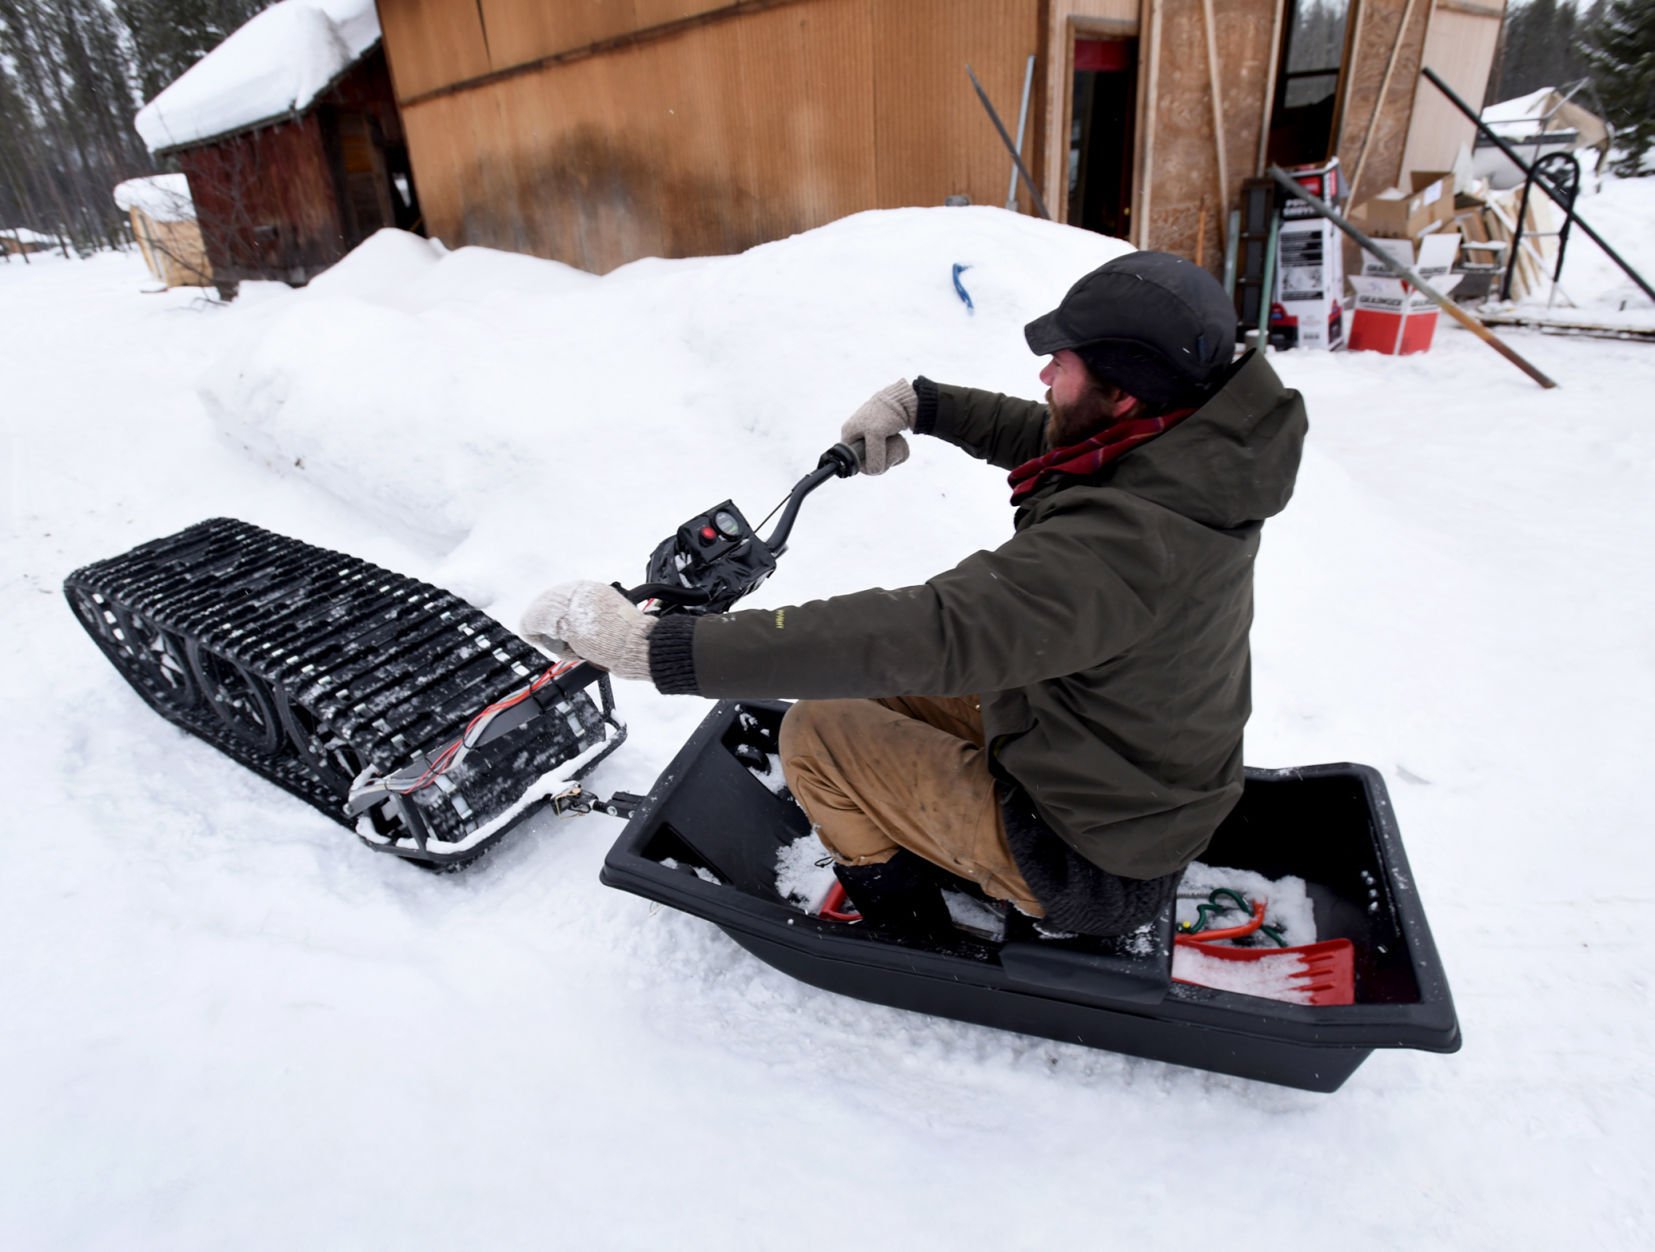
(706,841)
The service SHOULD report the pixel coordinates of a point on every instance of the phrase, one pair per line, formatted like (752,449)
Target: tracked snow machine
(404,713)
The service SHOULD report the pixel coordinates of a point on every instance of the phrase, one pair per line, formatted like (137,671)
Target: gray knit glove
(879,423)
(590,621)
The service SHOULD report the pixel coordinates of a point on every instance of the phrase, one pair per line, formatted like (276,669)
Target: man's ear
(1122,405)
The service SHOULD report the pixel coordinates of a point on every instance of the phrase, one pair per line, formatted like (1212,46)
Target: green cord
(1214,905)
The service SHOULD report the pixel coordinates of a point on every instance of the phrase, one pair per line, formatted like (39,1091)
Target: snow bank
(273,66)
(164,197)
(446,392)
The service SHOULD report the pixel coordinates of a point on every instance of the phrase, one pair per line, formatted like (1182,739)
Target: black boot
(898,894)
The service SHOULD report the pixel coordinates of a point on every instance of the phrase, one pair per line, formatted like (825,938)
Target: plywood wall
(1374,130)
(1460,47)
(1184,207)
(736,125)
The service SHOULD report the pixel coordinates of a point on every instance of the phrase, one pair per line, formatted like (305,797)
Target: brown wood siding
(932,136)
(265,202)
(720,135)
(432,43)
(525,30)
(684,127)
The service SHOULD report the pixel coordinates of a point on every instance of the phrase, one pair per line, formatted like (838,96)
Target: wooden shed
(290,137)
(20,241)
(163,224)
(605,130)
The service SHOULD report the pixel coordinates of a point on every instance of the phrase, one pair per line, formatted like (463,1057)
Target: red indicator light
(708,533)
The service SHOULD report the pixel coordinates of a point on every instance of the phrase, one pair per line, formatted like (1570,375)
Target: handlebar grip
(846,459)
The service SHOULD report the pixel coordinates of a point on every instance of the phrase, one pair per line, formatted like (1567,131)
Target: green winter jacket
(1107,638)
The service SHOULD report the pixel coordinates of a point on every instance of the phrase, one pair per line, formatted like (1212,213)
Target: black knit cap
(1157,326)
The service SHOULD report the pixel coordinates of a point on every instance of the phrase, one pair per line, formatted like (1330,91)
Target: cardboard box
(1310,264)
(1404,214)
(1391,316)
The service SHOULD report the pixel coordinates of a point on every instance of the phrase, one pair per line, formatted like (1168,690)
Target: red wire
(441,762)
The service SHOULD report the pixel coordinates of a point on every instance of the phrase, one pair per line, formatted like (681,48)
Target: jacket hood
(1232,461)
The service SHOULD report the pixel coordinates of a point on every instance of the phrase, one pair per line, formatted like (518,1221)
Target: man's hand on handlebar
(591,621)
(879,423)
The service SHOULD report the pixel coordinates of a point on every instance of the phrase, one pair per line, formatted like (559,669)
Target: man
(1058,720)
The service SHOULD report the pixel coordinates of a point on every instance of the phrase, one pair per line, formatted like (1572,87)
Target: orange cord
(1229,932)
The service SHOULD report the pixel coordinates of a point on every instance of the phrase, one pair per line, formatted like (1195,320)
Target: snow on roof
(1522,115)
(165,197)
(273,66)
(24,235)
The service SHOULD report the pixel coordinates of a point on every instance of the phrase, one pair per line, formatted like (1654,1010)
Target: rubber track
(389,668)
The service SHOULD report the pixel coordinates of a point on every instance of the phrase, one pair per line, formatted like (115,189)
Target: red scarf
(1093,454)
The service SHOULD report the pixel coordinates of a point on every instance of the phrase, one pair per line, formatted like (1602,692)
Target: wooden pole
(1218,119)
(1269,92)
(1151,100)
(1408,276)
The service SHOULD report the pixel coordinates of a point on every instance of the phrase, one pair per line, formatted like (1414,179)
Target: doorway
(1304,122)
(1102,132)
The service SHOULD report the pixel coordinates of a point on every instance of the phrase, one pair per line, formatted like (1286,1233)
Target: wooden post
(1151,97)
(1213,87)
(1269,90)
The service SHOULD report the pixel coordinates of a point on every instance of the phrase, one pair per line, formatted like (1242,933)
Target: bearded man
(1059,720)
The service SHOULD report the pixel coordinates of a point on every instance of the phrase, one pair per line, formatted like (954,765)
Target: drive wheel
(101,618)
(240,699)
(161,656)
(329,754)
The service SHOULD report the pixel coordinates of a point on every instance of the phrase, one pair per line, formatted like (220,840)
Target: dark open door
(1101,135)
(1304,122)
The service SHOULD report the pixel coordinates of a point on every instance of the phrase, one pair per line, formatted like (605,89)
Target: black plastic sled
(706,839)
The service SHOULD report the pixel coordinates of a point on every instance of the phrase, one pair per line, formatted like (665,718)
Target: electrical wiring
(455,752)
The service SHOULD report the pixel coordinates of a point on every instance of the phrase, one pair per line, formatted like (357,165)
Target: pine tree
(169,36)
(1622,57)
(1540,46)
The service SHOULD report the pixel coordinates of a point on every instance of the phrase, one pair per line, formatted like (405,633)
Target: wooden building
(290,166)
(598,131)
(162,215)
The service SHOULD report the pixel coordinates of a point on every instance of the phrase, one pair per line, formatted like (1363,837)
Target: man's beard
(1074,423)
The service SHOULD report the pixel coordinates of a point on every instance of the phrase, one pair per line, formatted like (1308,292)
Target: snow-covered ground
(226,1023)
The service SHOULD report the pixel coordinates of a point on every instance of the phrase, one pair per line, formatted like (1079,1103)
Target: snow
(1519,115)
(804,873)
(24,235)
(271,67)
(165,197)
(229,1023)
(1602,293)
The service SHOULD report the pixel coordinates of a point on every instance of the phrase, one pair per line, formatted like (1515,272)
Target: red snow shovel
(1325,971)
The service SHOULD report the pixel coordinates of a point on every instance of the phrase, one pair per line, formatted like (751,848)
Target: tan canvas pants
(902,772)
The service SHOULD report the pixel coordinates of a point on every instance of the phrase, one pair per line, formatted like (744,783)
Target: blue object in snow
(959,287)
